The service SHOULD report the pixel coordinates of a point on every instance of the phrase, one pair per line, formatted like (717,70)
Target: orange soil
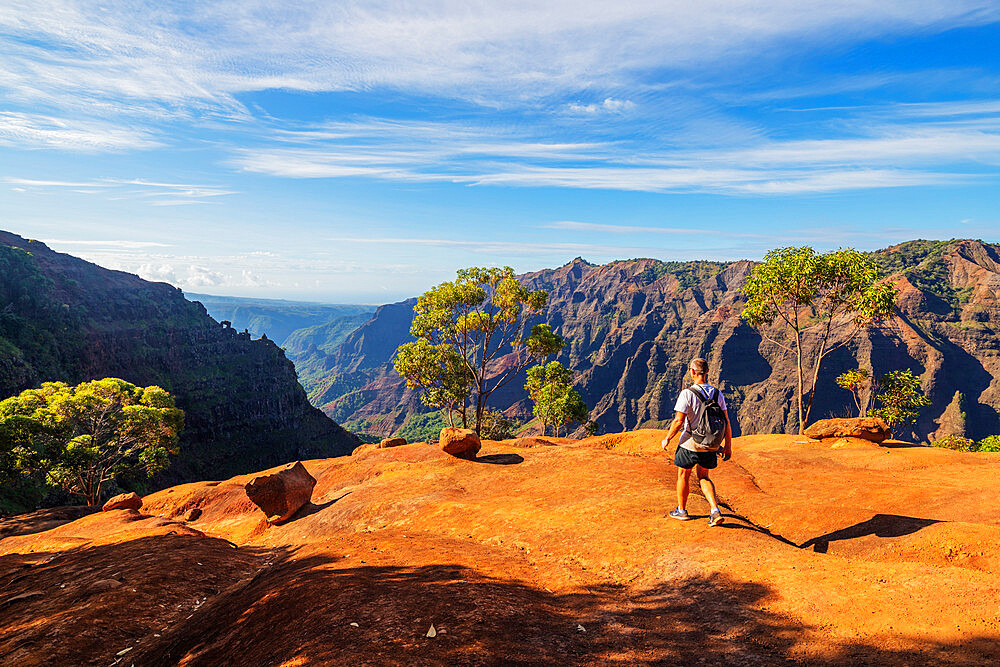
(540,554)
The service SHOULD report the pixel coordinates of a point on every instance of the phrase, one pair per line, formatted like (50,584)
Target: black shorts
(685,458)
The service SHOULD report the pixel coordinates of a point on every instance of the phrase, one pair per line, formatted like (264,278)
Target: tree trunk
(798,368)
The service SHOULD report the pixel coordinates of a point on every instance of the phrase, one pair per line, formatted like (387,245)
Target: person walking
(700,417)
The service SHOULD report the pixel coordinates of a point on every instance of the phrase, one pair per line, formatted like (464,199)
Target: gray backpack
(708,426)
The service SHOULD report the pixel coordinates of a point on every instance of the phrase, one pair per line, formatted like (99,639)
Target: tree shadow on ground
(302,610)
(880,525)
(211,604)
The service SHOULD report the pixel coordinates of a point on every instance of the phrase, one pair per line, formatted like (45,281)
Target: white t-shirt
(687,403)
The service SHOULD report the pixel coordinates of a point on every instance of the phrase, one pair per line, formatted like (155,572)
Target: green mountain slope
(62,318)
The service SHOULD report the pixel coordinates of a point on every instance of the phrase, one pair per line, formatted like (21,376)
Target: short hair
(699,366)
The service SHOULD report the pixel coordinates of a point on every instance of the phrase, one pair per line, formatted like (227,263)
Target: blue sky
(364,151)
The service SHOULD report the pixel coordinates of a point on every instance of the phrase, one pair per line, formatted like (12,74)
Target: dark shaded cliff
(62,318)
(633,326)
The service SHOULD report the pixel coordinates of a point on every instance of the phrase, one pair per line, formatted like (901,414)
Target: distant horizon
(250,296)
(357,151)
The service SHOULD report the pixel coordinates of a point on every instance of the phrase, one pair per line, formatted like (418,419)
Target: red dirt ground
(534,555)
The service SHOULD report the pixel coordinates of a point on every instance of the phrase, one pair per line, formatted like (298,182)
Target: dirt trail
(548,554)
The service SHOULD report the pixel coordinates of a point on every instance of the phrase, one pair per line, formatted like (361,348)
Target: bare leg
(707,487)
(683,486)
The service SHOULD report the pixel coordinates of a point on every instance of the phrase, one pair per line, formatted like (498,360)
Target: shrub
(956,442)
(990,444)
(496,426)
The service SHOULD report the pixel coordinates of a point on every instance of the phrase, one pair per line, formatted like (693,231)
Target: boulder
(281,494)
(460,442)
(872,429)
(392,442)
(192,514)
(124,501)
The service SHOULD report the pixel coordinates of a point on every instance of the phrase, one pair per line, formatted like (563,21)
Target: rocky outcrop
(281,494)
(67,319)
(866,428)
(633,326)
(460,442)
(392,442)
(123,501)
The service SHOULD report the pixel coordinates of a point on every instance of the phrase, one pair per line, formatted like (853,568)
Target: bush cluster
(962,444)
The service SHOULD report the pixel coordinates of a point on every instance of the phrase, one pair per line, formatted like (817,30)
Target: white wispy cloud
(888,149)
(182,60)
(114,189)
(107,244)
(38,131)
(609,105)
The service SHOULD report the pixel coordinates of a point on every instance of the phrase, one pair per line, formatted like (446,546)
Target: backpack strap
(705,398)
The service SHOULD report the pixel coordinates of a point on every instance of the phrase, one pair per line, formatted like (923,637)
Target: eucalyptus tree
(825,296)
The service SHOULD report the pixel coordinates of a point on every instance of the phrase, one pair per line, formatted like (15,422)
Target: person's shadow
(880,525)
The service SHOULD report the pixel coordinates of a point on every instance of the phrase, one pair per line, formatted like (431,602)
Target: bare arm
(675,427)
(727,451)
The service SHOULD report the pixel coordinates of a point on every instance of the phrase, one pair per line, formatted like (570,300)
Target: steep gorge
(62,318)
(632,326)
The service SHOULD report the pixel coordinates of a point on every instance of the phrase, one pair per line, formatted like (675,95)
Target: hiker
(701,412)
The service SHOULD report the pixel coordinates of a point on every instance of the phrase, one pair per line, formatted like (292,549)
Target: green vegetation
(923,264)
(989,444)
(956,442)
(496,426)
(81,438)
(806,292)
(424,427)
(555,401)
(854,381)
(960,444)
(463,328)
(688,274)
(441,372)
(900,397)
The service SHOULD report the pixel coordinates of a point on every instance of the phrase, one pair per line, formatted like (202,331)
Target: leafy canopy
(470,340)
(854,381)
(550,388)
(820,295)
(82,437)
(900,399)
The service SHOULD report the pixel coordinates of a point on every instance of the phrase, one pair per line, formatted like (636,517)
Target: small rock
(432,632)
(392,442)
(124,501)
(192,514)
(460,442)
(580,628)
(355,625)
(280,495)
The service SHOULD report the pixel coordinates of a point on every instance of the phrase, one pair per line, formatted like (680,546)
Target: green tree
(555,401)
(854,381)
(828,295)
(440,372)
(85,436)
(479,318)
(900,398)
